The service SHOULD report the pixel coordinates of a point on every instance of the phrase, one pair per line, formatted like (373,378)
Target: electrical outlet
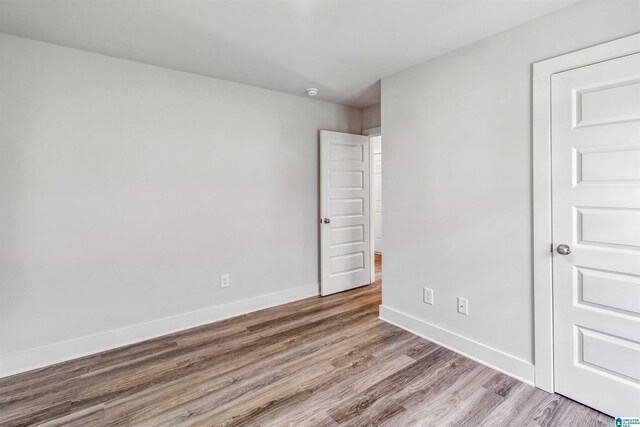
(463,306)
(427,295)
(224,280)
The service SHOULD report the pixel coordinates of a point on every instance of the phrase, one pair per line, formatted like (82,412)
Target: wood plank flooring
(316,362)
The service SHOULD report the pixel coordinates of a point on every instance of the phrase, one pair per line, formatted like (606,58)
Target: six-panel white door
(344,212)
(596,213)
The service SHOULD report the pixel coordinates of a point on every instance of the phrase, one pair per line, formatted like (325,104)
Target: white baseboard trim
(72,349)
(488,356)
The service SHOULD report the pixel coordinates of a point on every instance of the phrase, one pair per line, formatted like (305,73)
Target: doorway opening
(350,202)
(375,143)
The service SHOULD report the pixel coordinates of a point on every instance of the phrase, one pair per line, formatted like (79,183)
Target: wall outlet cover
(427,295)
(463,306)
(224,280)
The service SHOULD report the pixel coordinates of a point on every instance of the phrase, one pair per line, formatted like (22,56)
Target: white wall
(127,189)
(457,186)
(371,117)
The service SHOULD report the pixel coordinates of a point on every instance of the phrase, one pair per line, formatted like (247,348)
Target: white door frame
(377,131)
(542,231)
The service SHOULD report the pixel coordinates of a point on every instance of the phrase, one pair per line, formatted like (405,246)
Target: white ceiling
(342,47)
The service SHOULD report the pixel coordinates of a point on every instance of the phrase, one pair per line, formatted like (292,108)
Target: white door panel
(596,211)
(344,205)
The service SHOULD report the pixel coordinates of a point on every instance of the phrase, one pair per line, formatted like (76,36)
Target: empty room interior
(320,213)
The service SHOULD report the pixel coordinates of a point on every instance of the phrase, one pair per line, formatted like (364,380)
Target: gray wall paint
(371,117)
(457,181)
(127,189)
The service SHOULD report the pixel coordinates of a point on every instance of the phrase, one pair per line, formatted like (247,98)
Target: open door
(344,212)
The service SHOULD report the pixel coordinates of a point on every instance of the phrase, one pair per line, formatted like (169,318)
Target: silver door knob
(327,220)
(563,249)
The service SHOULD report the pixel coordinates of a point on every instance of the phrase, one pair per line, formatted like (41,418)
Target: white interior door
(376,147)
(596,213)
(344,209)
